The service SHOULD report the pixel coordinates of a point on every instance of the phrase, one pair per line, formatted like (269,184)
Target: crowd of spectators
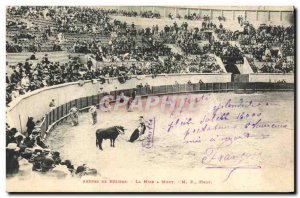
(26,78)
(282,66)
(83,20)
(27,152)
(191,64)
(227,52)
(12,47)
(62,19)
(129,43)
(271,45)
(27,11)
(227,35)
(271,34)
(192,16)
(197,17)
(143,14)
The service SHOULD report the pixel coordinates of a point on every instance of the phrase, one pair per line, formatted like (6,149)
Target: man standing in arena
(74,115)
(93,111)
(142,126)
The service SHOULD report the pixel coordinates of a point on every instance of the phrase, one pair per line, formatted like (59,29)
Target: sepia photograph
(150,99)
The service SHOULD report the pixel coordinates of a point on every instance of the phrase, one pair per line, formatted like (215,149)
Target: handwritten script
(150,126)
(227,132)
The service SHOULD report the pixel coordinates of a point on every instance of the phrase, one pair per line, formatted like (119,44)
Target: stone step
(14,58)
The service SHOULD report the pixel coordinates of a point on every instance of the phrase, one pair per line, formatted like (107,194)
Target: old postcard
(150,99)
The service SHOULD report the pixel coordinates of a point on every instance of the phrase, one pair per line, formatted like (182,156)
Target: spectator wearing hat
(80,171)
(10,136)
(35,133)
(12,153)
(19,138)
(69,165)
(47,164)
(56,157)
(37,159)
(45,59)
(29,142)
(40,143)
(47,152)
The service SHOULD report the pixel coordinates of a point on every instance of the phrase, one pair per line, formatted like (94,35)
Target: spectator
(12,163)
(52,105)
(89,63)
(30,126)
(32,57)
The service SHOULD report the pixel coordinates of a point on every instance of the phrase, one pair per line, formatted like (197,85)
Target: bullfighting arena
(187,98)
(171,152)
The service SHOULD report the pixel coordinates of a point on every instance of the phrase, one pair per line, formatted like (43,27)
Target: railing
(61,113)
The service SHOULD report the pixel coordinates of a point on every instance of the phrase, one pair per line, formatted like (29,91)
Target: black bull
(109,133)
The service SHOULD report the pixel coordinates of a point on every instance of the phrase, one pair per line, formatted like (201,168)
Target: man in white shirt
(93,111)
(141,127)
(25,82)
(74,115)
(52,105)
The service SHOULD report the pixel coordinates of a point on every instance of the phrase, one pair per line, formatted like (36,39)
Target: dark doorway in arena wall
(232,68)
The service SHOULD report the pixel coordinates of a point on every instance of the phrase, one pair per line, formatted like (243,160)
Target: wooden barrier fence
(61,113)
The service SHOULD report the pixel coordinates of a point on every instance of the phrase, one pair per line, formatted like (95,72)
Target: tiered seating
(14,58)
(83,37)
(43,22)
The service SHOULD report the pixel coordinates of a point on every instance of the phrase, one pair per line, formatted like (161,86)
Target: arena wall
(289,78)
(60,113)
(36,104)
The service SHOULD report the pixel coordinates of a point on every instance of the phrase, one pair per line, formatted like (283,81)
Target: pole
(20,123)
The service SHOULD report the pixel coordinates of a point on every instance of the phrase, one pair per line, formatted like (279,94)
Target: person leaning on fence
(93,111)
(52,104)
